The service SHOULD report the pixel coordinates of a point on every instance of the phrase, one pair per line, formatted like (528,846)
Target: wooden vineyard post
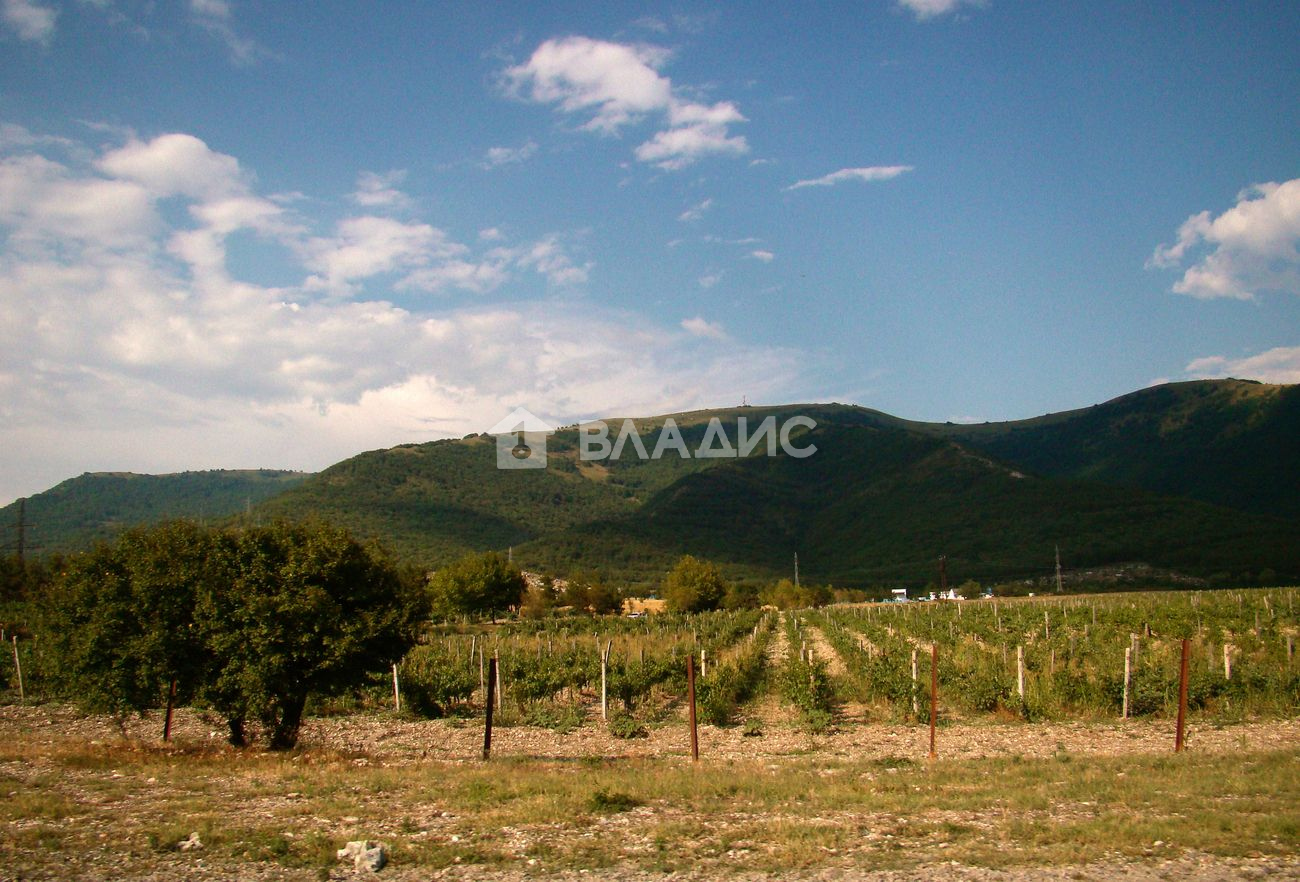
(916,709)
(487,717)
(1182,697)
(1128,677)
(1227,662)
(1020,673)
(690,705)
(18,666)
(604,680)
(167,718)
(397,691)
(934,693)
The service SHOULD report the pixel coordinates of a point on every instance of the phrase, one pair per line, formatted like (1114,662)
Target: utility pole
(796,569)
(22,528)
(1058,569)
(943,574)
(21,546)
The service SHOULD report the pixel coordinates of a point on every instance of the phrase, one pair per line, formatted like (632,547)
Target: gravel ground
(382,740)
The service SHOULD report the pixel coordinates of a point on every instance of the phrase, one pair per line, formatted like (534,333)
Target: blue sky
(238,233)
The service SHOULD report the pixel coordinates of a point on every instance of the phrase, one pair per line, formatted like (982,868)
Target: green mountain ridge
(1200,477)
(80,511)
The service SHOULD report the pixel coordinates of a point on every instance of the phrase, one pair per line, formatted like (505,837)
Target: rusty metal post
(1182,697)
(690,705)
(934,693)
(167,720)
(487,719)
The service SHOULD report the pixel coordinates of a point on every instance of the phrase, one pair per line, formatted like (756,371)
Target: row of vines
(1075,657)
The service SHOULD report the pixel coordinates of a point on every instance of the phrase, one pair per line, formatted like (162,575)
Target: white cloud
(1252,247)
(216,17)
(175,165)
(29,20)
(764,256)
(708,280)
(928,9)
(128,341)
(700,327)
(1277,365)
(620,85)
(696,211)
(368,246)
(871,173)
(376,190)
(497,156)
(549,258)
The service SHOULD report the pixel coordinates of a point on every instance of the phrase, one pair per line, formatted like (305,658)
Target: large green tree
(121,617)
(476,585)
(694,585)
(251,622)
(309,611)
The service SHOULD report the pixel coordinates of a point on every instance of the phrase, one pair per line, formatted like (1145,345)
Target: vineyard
(1081,657)
(810,746)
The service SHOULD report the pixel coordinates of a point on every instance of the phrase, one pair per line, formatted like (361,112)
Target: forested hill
(881,499)
(1200,478)
(76,513)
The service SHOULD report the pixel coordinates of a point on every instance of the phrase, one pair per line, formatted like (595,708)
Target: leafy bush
(627,726)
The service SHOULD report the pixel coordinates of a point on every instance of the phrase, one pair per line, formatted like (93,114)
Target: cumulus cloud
(1278,365)
(128,340)
(29,20)
(924,10)
(871,173)
(618,85)
(1252,247)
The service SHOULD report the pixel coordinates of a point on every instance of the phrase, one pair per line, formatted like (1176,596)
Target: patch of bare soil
(389,740)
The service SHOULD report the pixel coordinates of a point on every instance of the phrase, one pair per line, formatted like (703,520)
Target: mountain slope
(880,505)
(1198,477)
(1229,442)
(76,513)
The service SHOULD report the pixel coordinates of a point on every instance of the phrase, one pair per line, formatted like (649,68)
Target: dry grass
(95,807)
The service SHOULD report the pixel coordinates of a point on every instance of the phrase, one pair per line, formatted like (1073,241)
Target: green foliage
(728,685)
(249,622)
(588,593)
(694,585)
(476,585)
(432,681)
(786,595)
(626,726)
(807,685)
(122,620)
(559,717)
